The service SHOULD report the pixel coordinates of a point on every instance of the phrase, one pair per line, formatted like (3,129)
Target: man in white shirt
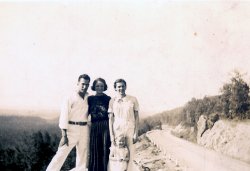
(75,131)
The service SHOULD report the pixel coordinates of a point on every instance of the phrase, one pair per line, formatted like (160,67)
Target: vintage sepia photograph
(123,85)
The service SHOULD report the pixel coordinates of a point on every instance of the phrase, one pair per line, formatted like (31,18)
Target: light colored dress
(124,121)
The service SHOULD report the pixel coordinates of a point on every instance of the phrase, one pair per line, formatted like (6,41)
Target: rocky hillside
(149,157)
(231,138)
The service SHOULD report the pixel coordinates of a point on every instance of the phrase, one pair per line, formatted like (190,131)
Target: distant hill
(45,114)
(23,122)
(170,117)
(13,127)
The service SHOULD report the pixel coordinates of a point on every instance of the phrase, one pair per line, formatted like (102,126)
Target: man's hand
(89,120)
(64,140)
(89,123)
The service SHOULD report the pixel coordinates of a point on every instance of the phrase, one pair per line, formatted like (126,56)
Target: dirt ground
(150,158)
(194,157)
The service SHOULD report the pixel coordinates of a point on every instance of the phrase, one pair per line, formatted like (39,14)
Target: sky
(167,51)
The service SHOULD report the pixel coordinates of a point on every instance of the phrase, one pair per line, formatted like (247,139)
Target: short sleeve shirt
(123,109)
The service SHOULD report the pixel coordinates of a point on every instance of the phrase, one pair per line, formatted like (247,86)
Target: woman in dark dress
(99,131)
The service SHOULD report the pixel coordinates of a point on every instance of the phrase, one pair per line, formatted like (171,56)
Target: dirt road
(193,157)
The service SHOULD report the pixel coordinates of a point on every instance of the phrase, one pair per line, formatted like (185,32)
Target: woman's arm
(112,155)
(111,130)
(114,159)
(127,156)
(135,137)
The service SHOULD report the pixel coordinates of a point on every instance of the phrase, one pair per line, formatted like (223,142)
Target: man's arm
(63,121)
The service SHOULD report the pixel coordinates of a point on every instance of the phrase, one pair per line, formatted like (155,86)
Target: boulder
(201,127)
(185,132)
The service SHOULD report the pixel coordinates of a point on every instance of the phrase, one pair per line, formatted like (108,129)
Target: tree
(235,97)
(44,148)
(190,111)
(225,99)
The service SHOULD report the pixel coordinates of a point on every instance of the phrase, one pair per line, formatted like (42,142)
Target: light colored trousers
(78,136)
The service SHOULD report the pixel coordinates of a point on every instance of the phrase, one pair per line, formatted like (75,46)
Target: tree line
(233,102)
(29,143)
(33,153)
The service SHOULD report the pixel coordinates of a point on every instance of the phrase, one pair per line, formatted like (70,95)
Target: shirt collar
(86,94)
(121,99)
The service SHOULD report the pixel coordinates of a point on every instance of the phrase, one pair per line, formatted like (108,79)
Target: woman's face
(99,87)
(120,88)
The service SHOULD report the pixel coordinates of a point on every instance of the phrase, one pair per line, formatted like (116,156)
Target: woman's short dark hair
(101,80)
(84,76)
(120,81)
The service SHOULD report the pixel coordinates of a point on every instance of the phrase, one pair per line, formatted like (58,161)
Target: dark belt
(78,123)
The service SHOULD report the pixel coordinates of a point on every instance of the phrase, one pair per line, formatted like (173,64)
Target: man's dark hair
(120,81)
(84,76)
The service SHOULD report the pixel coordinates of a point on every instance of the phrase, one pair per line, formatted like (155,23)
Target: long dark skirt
(99,146)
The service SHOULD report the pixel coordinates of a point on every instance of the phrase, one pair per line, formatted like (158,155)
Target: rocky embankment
(231,138)
(150,158)
(228,138)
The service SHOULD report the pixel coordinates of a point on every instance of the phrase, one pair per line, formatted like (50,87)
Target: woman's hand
(135,138)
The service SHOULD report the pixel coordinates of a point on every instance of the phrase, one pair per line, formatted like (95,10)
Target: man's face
(83,85)
(120,88)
